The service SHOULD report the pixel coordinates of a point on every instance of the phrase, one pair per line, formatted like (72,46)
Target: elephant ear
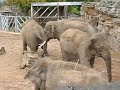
(98,40)
(50,29)
(34,73)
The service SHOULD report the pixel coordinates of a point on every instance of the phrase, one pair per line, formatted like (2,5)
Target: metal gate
(47,11)
(12,23)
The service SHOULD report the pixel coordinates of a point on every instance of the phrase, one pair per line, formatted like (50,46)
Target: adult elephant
(48,74)
(76,44)
(54,29)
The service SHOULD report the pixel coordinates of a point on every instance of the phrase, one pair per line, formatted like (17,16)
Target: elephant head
(99,48)
(49,30)
(94,21)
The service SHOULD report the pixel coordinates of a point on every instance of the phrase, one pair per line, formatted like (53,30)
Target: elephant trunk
(107,57)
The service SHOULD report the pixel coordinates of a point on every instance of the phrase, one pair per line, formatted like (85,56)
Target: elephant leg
(107,58)
(68,56)
(64,55)
(36,87)
(108,65)
(24,46)
(45,52)
(92,61)
(34,48)
(42,86)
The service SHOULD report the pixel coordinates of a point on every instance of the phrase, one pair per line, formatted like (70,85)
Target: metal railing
(12,23)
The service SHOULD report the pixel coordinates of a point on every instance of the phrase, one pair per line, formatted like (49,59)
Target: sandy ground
(12,77)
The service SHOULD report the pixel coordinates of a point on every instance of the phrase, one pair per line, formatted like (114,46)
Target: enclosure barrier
(42,12)
(12,23)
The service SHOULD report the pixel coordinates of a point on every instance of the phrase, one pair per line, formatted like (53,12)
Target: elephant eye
(101,48)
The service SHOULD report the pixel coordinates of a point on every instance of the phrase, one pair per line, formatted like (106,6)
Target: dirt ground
(12,77)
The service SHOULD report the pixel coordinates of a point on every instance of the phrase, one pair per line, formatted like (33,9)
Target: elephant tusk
(42,44)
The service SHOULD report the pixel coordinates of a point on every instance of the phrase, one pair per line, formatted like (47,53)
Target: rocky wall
(108,13)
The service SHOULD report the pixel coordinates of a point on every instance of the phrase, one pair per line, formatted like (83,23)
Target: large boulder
(27,59)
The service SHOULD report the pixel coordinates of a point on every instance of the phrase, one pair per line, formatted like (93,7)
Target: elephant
(76,44)
(48,74)
(54,29)
(32,36)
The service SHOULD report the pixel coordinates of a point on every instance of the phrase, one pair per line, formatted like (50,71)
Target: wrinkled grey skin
(46,74)
(76,44)
(54,29)
(94,21)
(110,86)
(32,35)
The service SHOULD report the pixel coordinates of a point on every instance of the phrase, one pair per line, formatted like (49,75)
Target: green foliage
(89,0)
(74,10)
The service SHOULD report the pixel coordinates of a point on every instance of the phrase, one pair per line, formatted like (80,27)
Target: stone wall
(108,13)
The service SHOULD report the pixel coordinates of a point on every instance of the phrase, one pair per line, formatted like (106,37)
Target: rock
(2,51)
(27,59)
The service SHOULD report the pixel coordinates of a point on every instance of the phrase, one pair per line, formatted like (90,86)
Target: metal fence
(12,23)
(47,11)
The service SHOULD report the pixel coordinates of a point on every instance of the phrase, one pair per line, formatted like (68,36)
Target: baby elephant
(32,35)
(76,44)
(49,74)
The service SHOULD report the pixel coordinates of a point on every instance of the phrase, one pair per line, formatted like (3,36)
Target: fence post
(66,12)
(16,24)
(58,14)
(7,25)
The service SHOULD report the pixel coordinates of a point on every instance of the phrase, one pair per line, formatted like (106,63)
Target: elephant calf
(76,44)
(32,36)
(49,74)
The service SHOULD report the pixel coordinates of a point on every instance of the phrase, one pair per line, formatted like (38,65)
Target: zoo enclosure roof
(55,3)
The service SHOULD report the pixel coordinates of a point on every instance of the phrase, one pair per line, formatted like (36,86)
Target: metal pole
(31,11)
(58,14)
(16,24)
(7,28)
(66,11)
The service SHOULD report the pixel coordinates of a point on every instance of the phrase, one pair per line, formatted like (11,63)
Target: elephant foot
(22,66)
(45,54)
